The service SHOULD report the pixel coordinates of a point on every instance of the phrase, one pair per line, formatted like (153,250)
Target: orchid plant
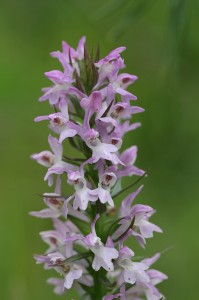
(92,110)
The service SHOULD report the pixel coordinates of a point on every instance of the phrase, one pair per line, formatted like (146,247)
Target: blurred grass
(162,49)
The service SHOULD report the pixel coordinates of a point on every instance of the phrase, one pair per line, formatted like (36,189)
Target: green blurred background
(162,50)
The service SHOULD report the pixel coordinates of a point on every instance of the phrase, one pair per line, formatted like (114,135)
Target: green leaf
(89,290)
(82,225)
(73,143)
(78,248)
(84,296)
(78,257)
(74,159)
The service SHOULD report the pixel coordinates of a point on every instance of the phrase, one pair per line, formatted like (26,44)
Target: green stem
(98,286)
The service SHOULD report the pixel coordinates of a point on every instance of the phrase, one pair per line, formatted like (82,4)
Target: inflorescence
(92,110)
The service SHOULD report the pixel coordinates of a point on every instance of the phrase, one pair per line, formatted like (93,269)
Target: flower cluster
(92,110)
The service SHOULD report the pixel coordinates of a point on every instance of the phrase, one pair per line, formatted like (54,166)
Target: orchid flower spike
(92,110)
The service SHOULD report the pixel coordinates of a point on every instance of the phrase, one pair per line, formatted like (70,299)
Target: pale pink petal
(55,146)
(70,277)
(45,213)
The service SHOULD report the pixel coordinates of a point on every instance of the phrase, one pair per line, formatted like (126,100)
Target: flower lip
(47,159)
(57,120)
(55,201)
(92,134)
(53,240)
(114,141)
(119,108)
(108,179)
(74,178)
(125,80)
